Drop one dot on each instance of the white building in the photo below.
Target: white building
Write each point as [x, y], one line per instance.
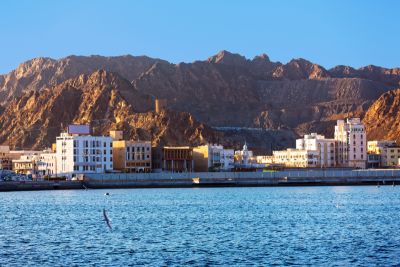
[351, 142]
[297, 158]
[80, 153]
[47, 164]
[244, 156]
[213, 156]
[326, 148]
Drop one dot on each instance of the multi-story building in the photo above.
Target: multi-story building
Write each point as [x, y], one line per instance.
[47, 163]
[373, 160]
[80, 153]
[26, 164]
[172, 159]
[388, 151]
[351, 143]
[268, 159]
[326, 148]
[297, 158]
[377, 146]
[132, 156]
[5, 158]
[213, 157]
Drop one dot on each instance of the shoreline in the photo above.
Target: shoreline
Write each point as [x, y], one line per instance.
[198, 180]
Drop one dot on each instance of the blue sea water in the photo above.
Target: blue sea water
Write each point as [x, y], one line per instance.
[319, 226]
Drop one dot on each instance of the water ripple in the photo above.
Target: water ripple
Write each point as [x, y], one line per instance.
[323, 226]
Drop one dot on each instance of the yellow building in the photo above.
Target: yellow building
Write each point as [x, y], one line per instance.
[132, 156]
[388, 150]
[213, 158]
[265, 159]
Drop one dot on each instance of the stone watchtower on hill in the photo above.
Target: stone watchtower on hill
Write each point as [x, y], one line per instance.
[160, 105]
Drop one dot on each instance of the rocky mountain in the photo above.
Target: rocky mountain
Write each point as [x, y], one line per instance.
[383, 117]
[229, 90]
[41, 73]
[102, 99]
[225, 90]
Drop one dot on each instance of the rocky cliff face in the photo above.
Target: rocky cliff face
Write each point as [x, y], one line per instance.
[40, 73]
[383, 118]
[105, 101]
[225, 90]
[229, 90]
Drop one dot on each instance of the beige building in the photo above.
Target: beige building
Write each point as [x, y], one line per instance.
[326, 148]
[351, 142]
[5, 158]
[213, 157]
[297, 158]
[132, 156]
[26, 164]
[265, 159]
[389, 152]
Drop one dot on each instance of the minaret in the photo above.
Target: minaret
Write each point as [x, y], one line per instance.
[245, 154]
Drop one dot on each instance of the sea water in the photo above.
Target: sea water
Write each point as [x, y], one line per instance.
[324, 226]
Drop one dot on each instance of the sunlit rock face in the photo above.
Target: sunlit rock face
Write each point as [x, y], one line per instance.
[226, 90]
[383, 117]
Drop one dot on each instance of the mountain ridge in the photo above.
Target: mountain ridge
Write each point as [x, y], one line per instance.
[224, 90]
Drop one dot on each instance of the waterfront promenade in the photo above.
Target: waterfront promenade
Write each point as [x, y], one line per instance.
[216, 179]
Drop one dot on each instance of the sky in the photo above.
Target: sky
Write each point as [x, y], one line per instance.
[329, 33]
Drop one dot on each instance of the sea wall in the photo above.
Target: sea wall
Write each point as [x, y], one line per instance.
[198, 179]
[39, 185]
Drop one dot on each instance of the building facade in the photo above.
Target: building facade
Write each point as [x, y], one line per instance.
[26, 164]
[80, 154]
[5, 158]
[296, 158]
[351, 143]
[326, 148]
[265, 159]
[173, 159]
[213, 158]
[132, 156]
[47, 164]
[244, 157]
[388, 151]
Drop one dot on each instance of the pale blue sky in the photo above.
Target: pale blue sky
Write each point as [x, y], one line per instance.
[329, 33]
